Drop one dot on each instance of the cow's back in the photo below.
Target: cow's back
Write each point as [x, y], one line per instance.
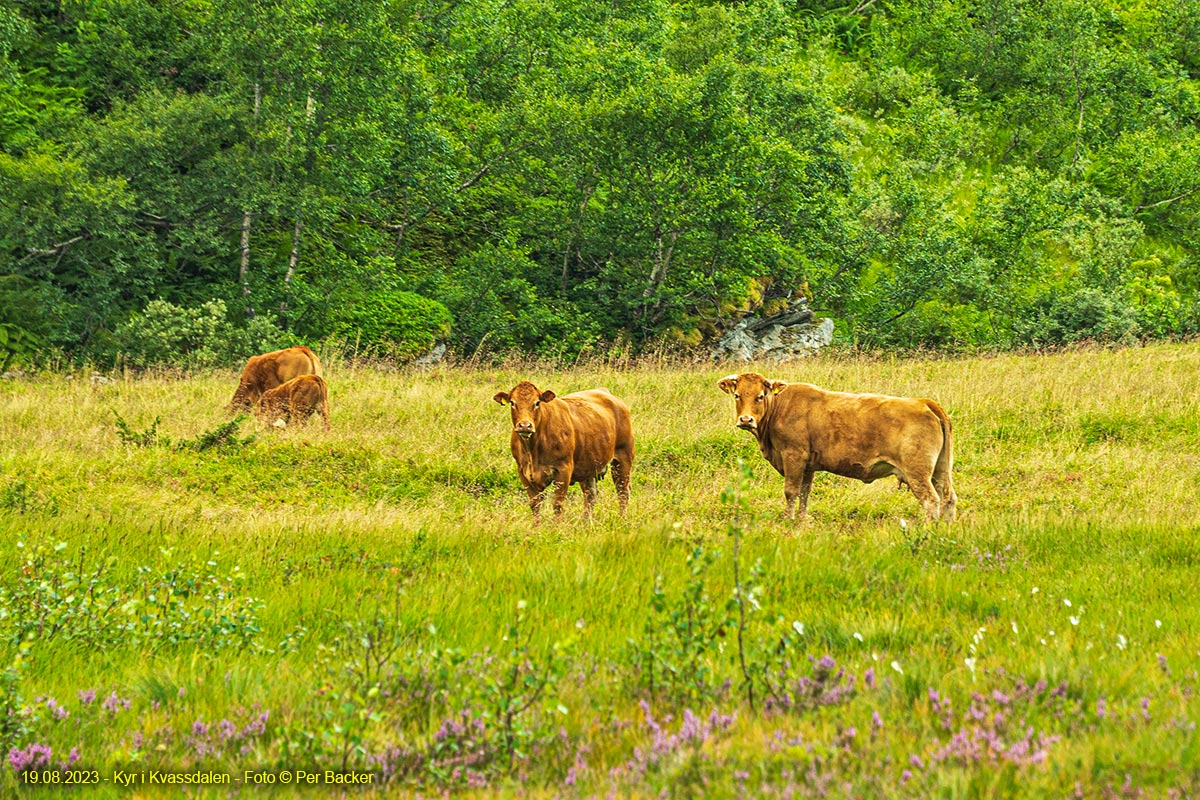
[846, 432]
[602, 424]
[275, 369]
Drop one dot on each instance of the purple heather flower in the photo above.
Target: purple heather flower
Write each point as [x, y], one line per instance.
[1101, 707]
[54, 708]
[72, 757]
[869, 678]
[876, 721]
[257, 726]
[87, 696]
[34, 756]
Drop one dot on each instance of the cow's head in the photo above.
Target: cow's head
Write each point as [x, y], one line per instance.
[751, 391]
[526, 401]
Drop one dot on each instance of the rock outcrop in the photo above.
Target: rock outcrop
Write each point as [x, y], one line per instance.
[793, 333]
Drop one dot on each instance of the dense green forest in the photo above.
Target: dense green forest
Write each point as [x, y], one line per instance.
[201, 178]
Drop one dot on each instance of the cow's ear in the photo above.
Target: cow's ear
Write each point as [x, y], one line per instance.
[776, 386]
[728, 384]
[502, 398]
[547, 396]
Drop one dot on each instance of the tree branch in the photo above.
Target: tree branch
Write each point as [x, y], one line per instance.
[1169, 200]
[56, 249]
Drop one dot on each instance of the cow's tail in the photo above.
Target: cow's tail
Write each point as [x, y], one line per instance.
[942, 469]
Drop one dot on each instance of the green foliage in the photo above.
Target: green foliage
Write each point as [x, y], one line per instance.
[57, 599]
[21, 497]
[165, 334]
[146, 438]
[1088, 314]
[497, 707]
[17, 345]
[15, 725]
[510, 176]
[497, 306]
[223, 436]
[395, 323]
[683, 636]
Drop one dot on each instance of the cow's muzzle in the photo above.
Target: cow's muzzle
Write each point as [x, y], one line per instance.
[747, 423]
[524, 429]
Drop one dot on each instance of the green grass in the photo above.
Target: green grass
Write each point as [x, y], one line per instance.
[1077, 475]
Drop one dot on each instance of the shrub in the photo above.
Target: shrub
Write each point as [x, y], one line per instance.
[164, 334]
[396, 323]
[1088, 314]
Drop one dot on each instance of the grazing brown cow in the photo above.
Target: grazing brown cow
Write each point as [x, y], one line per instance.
[802, 430]
[569, 439]
[270, 370]
[296, 400]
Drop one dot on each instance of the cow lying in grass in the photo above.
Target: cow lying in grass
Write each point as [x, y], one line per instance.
[802, 430]
[269, 370]
[295, 401]
[569, 439]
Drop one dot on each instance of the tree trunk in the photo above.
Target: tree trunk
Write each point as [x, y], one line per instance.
[294, 257]
[244, 271]
[662, 260]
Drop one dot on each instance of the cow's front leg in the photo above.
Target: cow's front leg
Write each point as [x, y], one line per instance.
[535, 493]
[560, 495]
[797, 483]
[589, 496]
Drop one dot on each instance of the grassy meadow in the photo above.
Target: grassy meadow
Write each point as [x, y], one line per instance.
[376, 599]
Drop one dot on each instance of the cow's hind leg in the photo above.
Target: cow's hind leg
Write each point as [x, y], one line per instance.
[622, 466]
[922, 487]
[941, 482]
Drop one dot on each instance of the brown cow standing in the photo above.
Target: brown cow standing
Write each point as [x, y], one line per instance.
[270, 370]
[296, 400]
[802, 430]
[569, 439]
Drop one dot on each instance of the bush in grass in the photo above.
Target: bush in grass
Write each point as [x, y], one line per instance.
[1087, 314]
[394, 323]
[57, 599]
[167, 335]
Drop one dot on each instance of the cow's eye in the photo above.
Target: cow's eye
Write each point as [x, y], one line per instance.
[537, 403]
[737, 396]
[761, 396]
